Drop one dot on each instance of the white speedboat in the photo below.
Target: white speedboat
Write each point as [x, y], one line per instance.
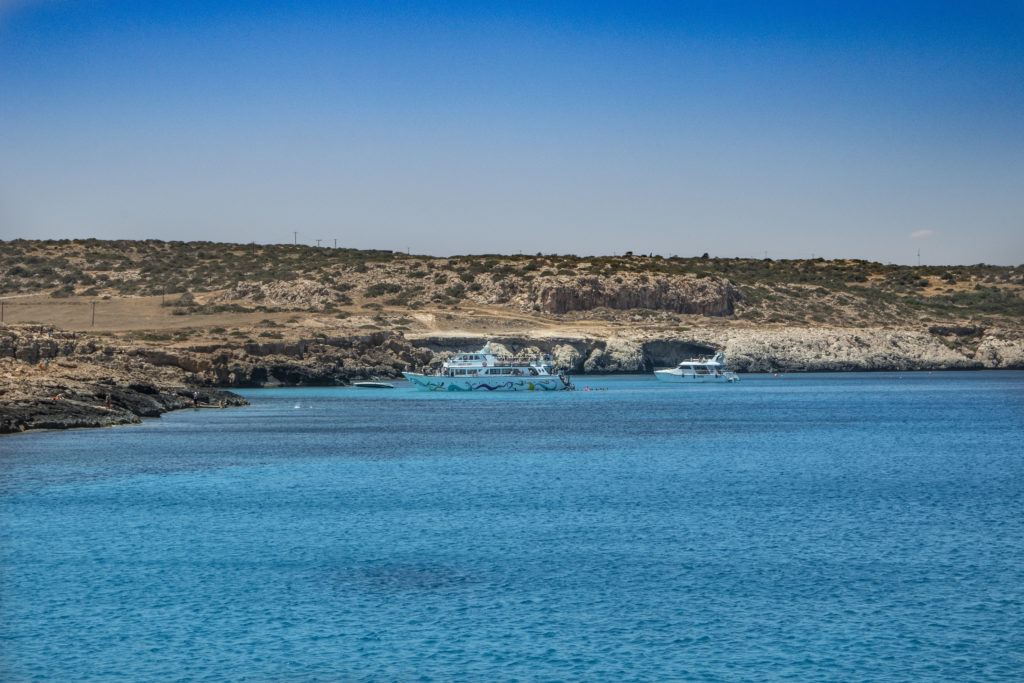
[486, 371]
[701, 369]
[375, 384]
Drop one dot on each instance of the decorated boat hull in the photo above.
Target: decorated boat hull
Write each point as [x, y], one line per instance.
[440, 383]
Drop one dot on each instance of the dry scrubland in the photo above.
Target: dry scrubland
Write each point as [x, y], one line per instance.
[177, 291]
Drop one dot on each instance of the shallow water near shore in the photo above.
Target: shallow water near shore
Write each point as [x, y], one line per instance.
[822, 526]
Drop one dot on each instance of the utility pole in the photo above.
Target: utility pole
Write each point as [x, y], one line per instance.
[296, 234]
[335, 242]
[318, 243]
[93, 314]
[918, 258]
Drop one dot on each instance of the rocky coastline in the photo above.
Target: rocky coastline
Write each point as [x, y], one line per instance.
[51, 379]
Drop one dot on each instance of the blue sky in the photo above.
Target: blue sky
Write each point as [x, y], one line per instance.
[792, 129]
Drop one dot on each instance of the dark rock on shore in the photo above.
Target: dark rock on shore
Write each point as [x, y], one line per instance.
[79, 405]
[53, 380]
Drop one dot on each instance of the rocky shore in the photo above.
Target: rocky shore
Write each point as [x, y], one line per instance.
[53, 380]
[48, 381]
[770, 350]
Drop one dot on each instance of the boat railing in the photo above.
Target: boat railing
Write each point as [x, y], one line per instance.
[520, 362]
[501, 362]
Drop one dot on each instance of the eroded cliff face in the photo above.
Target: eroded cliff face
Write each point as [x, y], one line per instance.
[339, 360]
[763, 350]
[316, 361]
[320, 361]
[677, 293]
[838, 349]
[51, 379]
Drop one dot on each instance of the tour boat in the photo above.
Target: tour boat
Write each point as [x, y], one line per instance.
[701, 369]
[486, 371]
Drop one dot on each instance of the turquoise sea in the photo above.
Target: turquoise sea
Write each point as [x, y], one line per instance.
[803, 527]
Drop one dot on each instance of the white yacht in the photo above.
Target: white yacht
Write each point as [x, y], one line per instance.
[701, 369]
[486, 371]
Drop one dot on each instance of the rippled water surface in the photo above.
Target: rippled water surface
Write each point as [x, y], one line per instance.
[816, 527]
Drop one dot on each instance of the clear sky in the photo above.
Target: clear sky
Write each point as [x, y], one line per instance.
[828, 128]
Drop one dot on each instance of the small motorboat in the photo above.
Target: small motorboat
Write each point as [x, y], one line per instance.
[702, 369]
[375, 384]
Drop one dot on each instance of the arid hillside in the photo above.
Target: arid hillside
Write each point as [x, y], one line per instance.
[178, 290]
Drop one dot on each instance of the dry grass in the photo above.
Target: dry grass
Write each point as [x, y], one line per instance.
[125, 316]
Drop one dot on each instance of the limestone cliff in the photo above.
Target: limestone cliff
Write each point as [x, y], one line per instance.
[767, 350]
[675, 293]
[837, 349]
[618, 355]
